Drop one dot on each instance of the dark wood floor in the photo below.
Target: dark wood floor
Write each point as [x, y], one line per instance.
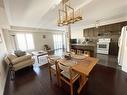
[108, 60]
[102, 81]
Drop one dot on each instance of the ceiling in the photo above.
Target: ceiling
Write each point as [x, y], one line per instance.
[44, 13]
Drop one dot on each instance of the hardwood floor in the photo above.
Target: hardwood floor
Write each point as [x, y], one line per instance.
[108, 60]
[102, 81]
[105, 79]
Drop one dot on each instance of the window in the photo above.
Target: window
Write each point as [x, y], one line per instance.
[58, 41]
[25, 41]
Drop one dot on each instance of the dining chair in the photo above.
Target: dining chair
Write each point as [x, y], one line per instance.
[52, 66]
[73, 50]
[73, 53]
[87, 53]
[67, 75]
[79, 52]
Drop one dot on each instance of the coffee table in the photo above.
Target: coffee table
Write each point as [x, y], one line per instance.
[39, 53]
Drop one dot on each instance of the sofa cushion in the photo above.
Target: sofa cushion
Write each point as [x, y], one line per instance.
[21, 59]
[6, 59]
[23, 64]
[11, 56]
[20, 53]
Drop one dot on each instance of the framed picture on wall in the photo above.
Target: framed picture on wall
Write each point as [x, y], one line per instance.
[44, 36]
[0, 38]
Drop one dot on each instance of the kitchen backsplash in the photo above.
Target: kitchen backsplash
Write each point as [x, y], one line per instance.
[86, 40]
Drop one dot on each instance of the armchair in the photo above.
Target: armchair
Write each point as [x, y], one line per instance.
[16, 63]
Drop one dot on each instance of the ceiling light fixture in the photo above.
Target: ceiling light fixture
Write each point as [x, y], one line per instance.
[57, 2]
[67, 14]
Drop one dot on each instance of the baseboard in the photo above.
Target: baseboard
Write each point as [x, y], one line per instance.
[7, 81]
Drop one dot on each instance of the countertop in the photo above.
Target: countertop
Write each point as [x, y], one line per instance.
[89, 44]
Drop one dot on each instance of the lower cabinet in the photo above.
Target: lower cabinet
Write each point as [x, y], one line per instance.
[91, 49]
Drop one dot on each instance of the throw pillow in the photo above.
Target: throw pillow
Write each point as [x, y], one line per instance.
[20, 53]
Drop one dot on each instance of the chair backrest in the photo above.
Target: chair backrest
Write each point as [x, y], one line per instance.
[51, 61]
[79, 52]
[66, 69]
[73, 53]
[72, 50]
[87, 53]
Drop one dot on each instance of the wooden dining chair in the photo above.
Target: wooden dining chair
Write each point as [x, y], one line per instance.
[73, 50]
[52, 66]
[79, 52]
[67, 75]
[87, 53]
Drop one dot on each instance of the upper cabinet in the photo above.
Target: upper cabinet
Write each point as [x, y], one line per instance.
[110, 30]
[90, 32]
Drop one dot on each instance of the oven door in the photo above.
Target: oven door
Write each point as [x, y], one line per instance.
[103, 46]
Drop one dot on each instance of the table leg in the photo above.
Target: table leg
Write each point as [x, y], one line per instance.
[82, 81]
[38, 59]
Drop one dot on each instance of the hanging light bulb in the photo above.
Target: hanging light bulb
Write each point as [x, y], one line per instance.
[57, 2]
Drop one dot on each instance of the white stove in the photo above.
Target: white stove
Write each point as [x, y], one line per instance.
[103, 45]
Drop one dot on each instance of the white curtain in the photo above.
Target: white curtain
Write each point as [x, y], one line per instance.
[58, 41]
[25, 41]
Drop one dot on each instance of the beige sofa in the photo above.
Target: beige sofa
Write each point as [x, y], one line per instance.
[16, 63]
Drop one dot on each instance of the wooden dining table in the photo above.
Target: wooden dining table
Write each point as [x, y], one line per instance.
[82, 66]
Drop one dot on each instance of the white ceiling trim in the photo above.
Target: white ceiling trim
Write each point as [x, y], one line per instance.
[43, 13]
[122, 19]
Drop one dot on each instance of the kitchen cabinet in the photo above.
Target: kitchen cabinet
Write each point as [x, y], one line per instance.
[86, 33]
[108, 28]
[112, 31]
[105, 30]
[95, 32]
[90, 32]
[102, 29]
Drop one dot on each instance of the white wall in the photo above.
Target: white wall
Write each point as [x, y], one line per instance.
[39, 41]
[77, 34]
[8, 40]
[3, 71]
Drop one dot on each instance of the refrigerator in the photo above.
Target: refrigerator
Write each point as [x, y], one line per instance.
[122, 55]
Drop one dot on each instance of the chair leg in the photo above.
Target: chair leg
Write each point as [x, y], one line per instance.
[60, 84]
[50, 73]
[58, 79]
[71, 88]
